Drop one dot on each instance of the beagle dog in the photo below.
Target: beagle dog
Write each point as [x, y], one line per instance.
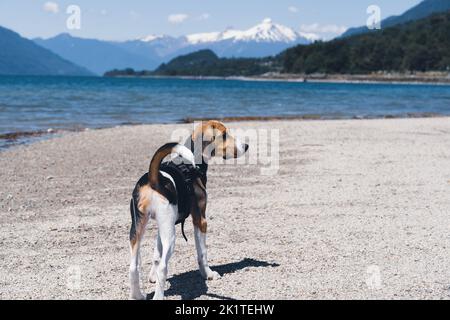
[155, 198]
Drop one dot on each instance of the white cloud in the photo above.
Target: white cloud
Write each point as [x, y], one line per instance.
[103, 12]
[293, 9]
[204, 16]
[51, 7]
[177, 18]
[328, 28]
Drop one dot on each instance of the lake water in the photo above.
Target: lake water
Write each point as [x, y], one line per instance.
[39, 103]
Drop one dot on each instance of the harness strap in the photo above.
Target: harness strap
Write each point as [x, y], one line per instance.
[184, 176]
[182, 230]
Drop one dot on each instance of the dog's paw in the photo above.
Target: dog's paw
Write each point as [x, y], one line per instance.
[158, 297]
[214, 276]
[211, 275]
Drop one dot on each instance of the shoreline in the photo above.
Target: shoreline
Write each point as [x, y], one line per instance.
[12, 139]
[317, 117]
[420, 78]
[438, 78]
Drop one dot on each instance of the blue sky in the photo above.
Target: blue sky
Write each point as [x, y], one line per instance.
[120, 20]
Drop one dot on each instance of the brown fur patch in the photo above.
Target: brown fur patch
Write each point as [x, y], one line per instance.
[145, 195]
[213, 131]
[210, 125]
[230, 148]
[144, 199]
[140, 228]
[134, 247]
[202, 224]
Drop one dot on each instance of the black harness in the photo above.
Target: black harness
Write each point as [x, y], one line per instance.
[184, 176]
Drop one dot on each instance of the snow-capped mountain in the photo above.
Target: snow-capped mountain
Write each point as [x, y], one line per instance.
[266, 31]
[151, 37]
[264, 39]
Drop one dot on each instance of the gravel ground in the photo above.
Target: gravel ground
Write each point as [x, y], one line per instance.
[359, 209]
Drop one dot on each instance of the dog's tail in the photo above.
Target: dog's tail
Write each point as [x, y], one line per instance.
[159, 156]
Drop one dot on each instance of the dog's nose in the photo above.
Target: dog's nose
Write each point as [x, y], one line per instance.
[246, 147]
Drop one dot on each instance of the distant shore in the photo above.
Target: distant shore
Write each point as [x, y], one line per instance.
[380, 77]
[434, 78]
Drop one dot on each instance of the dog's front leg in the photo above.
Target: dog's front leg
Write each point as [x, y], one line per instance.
[200, 243]
[200, 228]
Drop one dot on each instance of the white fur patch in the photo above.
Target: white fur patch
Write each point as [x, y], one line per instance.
[185, 153]
[168, 176]
[239, 146]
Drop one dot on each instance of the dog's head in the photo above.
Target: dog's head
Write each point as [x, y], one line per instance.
[214, 140]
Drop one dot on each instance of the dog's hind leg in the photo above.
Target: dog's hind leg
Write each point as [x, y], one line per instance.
[156, 258]
[166, 218]
[139, 223]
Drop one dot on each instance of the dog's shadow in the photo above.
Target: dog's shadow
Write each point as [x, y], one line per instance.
[190, 285]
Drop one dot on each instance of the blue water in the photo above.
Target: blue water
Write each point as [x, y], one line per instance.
[39, 103]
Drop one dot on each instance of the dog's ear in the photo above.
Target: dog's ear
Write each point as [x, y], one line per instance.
[207, 131]
[204, 136]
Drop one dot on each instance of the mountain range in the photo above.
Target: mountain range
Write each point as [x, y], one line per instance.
[96, 55]
[20, 56]
[68, 55]
[422, 45]
[264, 39]
[206, 63]
[422, 10]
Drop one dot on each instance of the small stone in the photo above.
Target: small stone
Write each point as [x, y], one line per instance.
[50, 178]
[50, 130]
